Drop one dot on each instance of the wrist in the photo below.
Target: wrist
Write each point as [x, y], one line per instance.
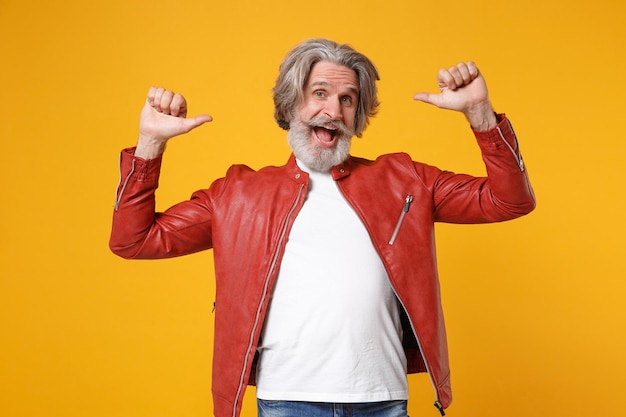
[481, 116]
[149, 148]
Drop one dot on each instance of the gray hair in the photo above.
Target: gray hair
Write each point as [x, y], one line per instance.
[295, 69]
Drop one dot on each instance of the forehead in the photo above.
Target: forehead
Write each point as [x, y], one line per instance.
[336, 75]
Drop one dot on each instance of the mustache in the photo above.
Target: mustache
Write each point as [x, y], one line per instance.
[326, 122]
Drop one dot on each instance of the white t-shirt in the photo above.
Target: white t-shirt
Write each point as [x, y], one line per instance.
[332, 332]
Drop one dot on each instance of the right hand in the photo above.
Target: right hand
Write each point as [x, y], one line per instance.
[164, 116]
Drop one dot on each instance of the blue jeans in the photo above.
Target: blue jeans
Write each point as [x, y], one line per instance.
[271, 408]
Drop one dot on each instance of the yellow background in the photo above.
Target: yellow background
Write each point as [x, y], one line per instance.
[535, 307]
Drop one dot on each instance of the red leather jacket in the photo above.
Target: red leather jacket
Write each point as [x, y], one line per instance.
[247, 215]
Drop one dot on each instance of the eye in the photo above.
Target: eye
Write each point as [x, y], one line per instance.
[347, 100]
[319, 93]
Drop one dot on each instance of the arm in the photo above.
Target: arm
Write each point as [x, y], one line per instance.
[506, 192]
[137, 231]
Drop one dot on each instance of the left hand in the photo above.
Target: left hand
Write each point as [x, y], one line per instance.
[463, 88]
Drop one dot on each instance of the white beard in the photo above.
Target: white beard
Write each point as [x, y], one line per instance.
[314, 157]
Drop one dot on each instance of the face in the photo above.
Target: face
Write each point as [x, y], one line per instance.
[323, 126]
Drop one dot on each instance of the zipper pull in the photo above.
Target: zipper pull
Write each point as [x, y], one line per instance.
[440, 408]
[405, 209]
[407, 203]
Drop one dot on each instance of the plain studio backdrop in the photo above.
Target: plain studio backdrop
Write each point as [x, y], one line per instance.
[534, 307]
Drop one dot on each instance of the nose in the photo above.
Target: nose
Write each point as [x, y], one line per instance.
[332, 108]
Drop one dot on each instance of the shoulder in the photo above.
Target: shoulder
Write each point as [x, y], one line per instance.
[245, 172]
[397, 167]
[392, 161]
[242, 180]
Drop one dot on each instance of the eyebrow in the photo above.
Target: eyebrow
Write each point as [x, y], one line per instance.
[327, 84]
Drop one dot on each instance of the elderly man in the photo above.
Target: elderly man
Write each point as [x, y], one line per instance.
[327, 292]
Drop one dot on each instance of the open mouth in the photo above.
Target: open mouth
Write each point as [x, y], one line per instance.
[325, 136]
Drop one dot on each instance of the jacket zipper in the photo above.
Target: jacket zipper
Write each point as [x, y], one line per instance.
[419, 344]
[405, 209]
[263, 297]
[118, 197]
[514, 150]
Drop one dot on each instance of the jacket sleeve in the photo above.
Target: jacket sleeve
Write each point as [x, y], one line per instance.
[138, 232]
[504, 194]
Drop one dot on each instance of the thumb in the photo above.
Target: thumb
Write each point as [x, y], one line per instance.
[426, 98]
[193, 122]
